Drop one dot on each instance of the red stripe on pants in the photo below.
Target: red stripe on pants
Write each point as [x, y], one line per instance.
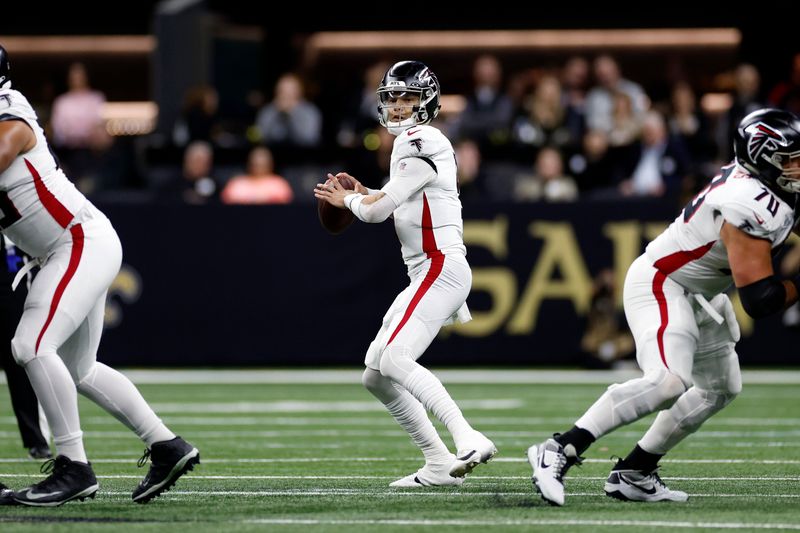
[74, 261]
[658, 291]
[666, 266]
[437, 262]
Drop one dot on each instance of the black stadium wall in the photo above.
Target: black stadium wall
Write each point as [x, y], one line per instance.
[266, 285]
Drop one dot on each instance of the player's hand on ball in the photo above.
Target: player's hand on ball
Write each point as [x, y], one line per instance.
[330, 196]
[334, 190]
[349, 182]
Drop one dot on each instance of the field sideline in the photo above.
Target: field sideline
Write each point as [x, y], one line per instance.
[286, 450]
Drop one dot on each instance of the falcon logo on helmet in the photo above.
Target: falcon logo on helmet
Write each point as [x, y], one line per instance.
[408, 79]
[767, 144]
[762, 138]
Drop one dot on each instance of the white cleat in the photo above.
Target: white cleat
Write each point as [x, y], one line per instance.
[639, 486]
[429, 476]
[477, 450]
[550, 462]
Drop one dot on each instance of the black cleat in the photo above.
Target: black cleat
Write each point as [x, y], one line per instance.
[68, 480]
[40, 452]
[6, 496]
[170, 460]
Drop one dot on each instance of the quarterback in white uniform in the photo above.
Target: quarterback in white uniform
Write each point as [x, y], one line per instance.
[682, 320]
[422, 197]
[56, 341]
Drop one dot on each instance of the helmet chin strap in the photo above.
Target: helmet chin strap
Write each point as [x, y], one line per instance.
[396, 128]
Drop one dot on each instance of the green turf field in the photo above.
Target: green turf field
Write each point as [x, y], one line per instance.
[319, 457]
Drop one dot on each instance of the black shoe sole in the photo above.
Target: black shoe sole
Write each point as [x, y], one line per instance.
[176, 473]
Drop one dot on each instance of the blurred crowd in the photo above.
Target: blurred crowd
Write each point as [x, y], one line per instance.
[585, 130]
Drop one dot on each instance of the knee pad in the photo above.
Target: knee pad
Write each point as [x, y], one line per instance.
[372, 379]
[697, 406]
[670, 386]
[654, 391]
[383, 388]
[85, 379]
[397, 362]
[23, 350]
[716, 400]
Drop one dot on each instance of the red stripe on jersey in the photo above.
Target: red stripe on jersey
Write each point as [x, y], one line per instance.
[437, 262]
[672, 262]
[428, 238]
[667, 265]
[74, 261]
[56, 209]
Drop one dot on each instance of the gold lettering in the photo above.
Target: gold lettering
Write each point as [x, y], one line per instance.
[126, 288]
[654, 229]
[490, 234]
[501, 285]
[745, 321]
[498, 282]
[560, 251]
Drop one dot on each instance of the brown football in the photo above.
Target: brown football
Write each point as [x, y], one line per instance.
[333, 219]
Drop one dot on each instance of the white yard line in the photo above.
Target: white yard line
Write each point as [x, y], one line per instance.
[454, 376]
[221, 460]
[381, 419]
[297, 406]
[437, 493]
[530, 522]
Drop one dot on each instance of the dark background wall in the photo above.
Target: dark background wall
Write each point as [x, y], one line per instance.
[266, 285]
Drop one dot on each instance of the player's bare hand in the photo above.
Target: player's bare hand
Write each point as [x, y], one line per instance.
[359, 188]
[332, 192]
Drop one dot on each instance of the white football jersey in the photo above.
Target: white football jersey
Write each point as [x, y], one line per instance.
[429, 221]
[36, 199]
[691, 252]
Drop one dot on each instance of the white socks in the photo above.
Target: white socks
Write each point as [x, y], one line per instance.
[397, 363]
[116, 394]
[429, 390]
[412, 417]
[56, 392]
[410, 414]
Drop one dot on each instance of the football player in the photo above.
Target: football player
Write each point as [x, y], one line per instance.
[681, 318]
[422, 196]
[33, 428]
[56, 341]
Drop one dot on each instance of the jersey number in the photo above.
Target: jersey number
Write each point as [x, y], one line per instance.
[694, 205]
[772, 202]
[9, 211]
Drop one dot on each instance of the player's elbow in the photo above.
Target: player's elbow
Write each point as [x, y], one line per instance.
[763, 298]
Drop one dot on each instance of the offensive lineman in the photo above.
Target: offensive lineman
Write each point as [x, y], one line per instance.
[683, 322]
[422, 196]
[58, 335]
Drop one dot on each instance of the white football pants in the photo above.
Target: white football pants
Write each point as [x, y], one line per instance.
[689, 361]
[59, 333]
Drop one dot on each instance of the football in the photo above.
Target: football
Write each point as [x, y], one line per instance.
[333, 219]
